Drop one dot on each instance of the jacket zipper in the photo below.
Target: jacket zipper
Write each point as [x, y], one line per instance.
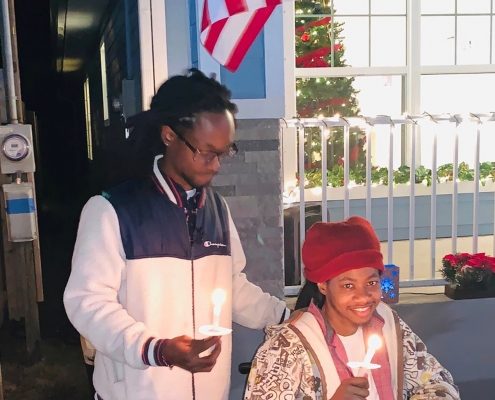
[191, 243]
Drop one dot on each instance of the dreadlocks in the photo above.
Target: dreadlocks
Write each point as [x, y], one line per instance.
[177, 104]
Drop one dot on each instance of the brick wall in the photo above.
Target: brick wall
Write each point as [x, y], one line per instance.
[251, 184]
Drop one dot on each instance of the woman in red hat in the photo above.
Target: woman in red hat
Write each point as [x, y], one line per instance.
[307, 358]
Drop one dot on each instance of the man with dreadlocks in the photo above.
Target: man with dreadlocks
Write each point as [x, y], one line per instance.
[150, 252]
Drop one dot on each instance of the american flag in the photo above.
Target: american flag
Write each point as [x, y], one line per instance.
[229, 27]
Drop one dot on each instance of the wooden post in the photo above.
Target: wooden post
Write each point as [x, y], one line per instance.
[15, 298]
[32, 120]
[31, 316]
[21, 287]
[21, 268]
[1, 383]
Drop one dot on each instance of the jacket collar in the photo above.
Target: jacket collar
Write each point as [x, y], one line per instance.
[175, 193]
[375, 324]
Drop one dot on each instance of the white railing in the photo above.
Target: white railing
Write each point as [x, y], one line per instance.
[301, 195]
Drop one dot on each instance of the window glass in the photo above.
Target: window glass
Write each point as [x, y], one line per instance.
[349, 97]
[350, 7]
[326, 97]
[87, 114]
[473, 7]
[355, 38]
[437, 40]
[104, 87]
[473, 40]
[388, 41]
[460, 93]
[316, 41]
[437, 6]
[388, 6]
[492, 61]
[390, 92]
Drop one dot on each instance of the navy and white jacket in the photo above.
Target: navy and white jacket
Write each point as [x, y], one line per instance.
[137, 275]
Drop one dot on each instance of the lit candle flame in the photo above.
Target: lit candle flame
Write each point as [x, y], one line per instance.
[374, 343]
[217, 298]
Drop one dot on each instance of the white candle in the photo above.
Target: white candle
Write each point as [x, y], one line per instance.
[374, 343]
[218, 298]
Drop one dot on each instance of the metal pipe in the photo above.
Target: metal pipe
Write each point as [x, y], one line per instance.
[9, 63]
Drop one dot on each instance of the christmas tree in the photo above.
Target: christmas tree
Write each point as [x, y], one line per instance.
[319, 45]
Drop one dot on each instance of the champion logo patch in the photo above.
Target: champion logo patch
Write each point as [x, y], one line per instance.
[211, 244]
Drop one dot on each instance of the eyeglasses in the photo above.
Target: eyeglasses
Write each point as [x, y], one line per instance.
[208, 156]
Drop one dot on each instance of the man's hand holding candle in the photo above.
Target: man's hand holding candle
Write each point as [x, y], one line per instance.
[183, 352]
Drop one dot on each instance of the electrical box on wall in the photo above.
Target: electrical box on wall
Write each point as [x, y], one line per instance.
[16, 149]
[20, 211]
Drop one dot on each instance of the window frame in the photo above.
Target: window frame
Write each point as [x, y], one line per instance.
[104, 84]
[87, 114]
[412, 71]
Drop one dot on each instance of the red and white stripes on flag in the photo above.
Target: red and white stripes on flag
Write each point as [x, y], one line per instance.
[229, 27]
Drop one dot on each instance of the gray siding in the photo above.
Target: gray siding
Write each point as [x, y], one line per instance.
[251, 183]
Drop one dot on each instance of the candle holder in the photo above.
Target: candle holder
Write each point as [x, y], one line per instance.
[212, 330]
[217, 298]
[360, 365]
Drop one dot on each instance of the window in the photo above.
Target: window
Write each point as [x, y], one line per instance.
[104, 87]
[389, 57]
[87, 113]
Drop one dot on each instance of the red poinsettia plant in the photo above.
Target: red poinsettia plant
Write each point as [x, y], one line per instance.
[469, 270]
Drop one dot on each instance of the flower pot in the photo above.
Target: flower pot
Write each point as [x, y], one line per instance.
[459, 292]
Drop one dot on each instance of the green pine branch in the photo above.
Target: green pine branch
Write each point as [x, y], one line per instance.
[379, 175]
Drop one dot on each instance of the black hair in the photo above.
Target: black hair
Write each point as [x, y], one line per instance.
[177, 103]
[309, 292]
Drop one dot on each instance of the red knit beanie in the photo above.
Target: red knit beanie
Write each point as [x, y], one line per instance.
[331, 248]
